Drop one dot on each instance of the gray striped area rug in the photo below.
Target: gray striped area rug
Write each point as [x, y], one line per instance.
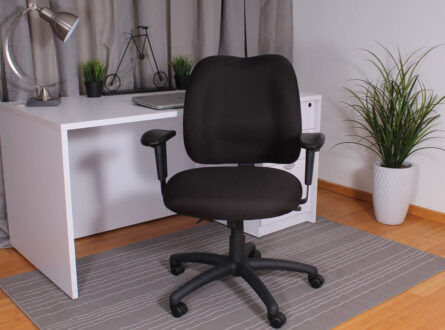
[128, 287]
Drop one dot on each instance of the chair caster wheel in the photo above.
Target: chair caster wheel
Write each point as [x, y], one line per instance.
[179, 309]
[255, 254]
[177, 268]
[316, 281]
[277, 321]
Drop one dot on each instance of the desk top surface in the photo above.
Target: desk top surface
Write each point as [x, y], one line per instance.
[75, 112]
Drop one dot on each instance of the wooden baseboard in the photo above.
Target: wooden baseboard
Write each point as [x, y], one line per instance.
[367, 197]
[345, 191]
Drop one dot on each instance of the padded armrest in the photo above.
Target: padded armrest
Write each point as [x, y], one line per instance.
[155, 137]
[312, 141]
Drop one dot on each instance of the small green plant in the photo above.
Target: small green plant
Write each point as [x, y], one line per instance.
[93, 70]
[396, 113]
[182, 65]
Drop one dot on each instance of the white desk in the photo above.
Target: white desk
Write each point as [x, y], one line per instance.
[79, 169]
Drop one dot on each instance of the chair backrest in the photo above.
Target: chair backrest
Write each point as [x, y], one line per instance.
[242, 110]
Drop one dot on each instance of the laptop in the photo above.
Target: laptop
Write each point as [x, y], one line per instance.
[161, 101]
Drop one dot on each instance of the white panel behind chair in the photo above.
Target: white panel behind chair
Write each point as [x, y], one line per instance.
[310, 117]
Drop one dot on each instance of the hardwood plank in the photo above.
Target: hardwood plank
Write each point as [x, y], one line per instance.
[11, 317]
[12, 263]
[132, 234]
[426, 213]
[344, 190]
[420, 307]
[367, 197]
[408, 310]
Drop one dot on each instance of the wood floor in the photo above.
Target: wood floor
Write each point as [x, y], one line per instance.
[421, 307]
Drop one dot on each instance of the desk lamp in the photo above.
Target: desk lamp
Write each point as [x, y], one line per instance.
[63, 25]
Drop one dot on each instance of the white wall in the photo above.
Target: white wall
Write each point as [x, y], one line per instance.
[327, 34]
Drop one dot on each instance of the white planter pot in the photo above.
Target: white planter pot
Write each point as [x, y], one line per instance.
[392, 193]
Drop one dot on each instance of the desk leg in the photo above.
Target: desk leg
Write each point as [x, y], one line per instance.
[38, 197]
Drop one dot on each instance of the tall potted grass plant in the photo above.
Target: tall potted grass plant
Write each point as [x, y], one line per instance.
[396, 114]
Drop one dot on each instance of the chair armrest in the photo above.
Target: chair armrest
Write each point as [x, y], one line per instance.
[312, 142]
[157, 138]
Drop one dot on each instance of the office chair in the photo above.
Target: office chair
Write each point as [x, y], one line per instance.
[242, 111]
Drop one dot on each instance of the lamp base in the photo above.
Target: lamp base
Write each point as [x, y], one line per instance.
[37, 102]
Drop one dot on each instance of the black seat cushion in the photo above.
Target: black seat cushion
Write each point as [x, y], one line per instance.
[233, 193]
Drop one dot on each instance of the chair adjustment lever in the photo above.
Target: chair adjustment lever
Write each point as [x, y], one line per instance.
[304, 200]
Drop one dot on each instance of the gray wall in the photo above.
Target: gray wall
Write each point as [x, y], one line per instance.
[327, 34]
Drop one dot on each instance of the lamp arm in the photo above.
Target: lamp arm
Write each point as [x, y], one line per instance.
[6, 50]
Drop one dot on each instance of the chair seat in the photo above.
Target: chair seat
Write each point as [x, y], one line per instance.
[233, 193]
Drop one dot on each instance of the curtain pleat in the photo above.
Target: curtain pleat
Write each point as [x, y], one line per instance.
[275, 28]
[195, 28]
[253, 10]
[232, 28]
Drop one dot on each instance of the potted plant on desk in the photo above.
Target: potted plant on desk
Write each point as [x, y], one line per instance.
[182, 66]
[93, 72]
[397, 115]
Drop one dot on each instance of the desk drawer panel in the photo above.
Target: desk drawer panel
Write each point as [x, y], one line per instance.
[308, 115]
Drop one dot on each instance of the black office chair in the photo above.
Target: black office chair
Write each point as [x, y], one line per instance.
[240, 111]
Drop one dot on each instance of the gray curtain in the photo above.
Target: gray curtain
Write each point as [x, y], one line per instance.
[196, 28]
[202, 28]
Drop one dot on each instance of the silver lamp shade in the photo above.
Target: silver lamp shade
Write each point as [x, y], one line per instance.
[63, 24]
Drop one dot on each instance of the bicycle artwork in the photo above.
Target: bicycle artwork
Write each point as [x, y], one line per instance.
[112, 81]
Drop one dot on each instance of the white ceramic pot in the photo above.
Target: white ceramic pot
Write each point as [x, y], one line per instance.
[392, 193]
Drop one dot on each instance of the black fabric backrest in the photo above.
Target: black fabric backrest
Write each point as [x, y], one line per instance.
[242, 110]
